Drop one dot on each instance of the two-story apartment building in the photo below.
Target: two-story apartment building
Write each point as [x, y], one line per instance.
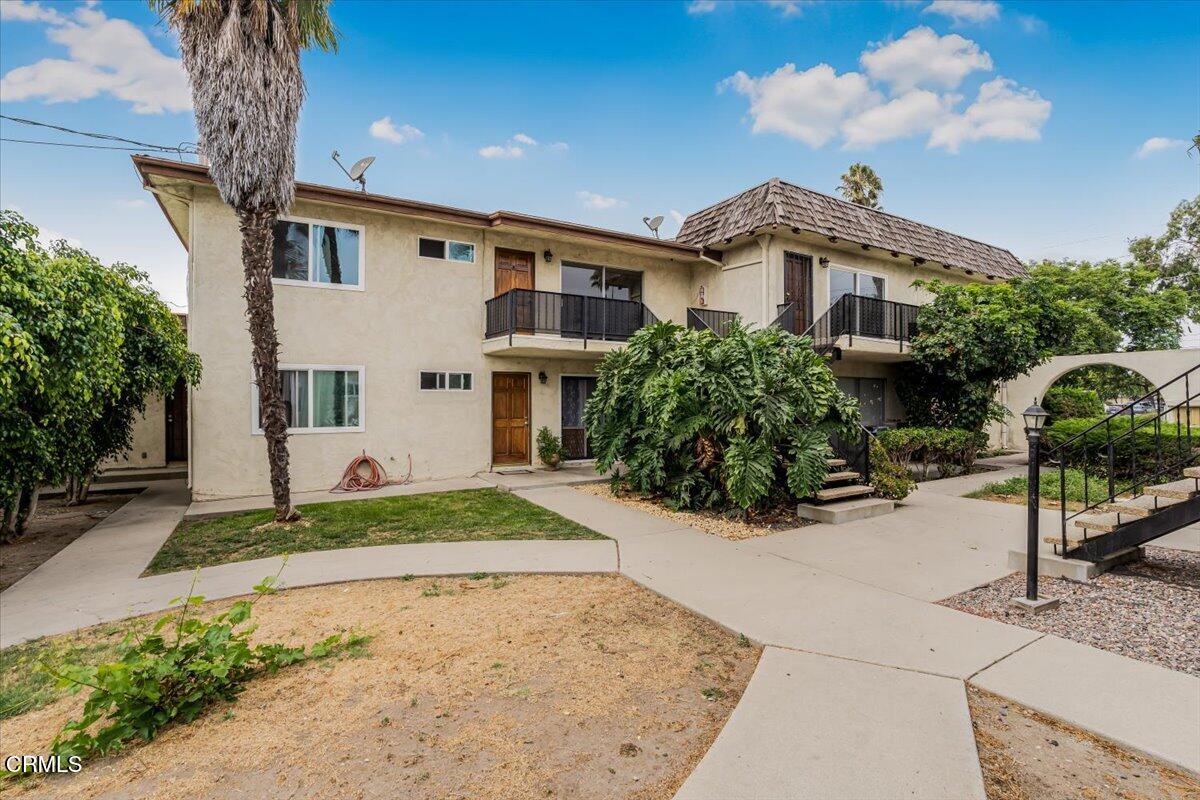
[410, 329]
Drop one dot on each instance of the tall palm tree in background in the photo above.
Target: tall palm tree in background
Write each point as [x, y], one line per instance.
[243, 63]
[861, 185]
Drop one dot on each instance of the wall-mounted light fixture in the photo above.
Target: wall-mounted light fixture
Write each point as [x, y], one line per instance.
[824, 262]
[548, 256]
[542, 375]
[703, 295]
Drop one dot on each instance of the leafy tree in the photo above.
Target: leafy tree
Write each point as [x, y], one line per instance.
[1108, 381]
[1175, 255]
[861, 185]
[1069, 402]
[81, 346]
[971, 339]
[243, 64]
[707, 421]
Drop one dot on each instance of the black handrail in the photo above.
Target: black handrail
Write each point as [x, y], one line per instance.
[869, 317]
[572, 316]
[856, 452]
[707, 319]
[786, 317]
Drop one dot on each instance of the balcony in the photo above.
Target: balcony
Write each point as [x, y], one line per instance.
[865, 325]
[707, 319]
[527, 322]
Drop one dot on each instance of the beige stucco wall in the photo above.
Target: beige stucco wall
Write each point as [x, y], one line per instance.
[149, 448]
[413, 314]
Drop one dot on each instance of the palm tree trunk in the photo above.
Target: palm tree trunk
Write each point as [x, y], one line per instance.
[256, 227]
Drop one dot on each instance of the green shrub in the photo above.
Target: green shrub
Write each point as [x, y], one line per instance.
[890, 479]
[1068, 402]
[952, 449]
[184, 665]
[1133, 454]
[705, 421]
[549, 448]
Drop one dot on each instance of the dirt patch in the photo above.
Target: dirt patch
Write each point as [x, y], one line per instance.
[53, 527]
[713, 522]
[1145, 610]
[535, 686]
[1028, 756]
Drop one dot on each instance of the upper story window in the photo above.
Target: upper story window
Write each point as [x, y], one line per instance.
[318, 399]
[864, 284]
[446, 381]
[615, 284]
[317, 253]
[446, 250]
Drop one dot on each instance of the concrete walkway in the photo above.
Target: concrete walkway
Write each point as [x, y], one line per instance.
[860, 692]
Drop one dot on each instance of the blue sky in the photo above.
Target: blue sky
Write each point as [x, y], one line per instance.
[1022, 124]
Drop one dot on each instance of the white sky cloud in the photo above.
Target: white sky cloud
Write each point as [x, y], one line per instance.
[678, 216]
[526, 139]
[106, 56]
[501, 151]
[922, 58]
[789, 8]
[598, 202]
[1156, 144]
[965, 11]
[136, 202]
[808, 106]
[702, 7]
[916, 112]
[383, 128]
[561, 147]
[517, 146]
[1003, 110]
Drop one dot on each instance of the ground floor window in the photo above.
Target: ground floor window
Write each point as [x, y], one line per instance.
[317, 399]
[576, 390]
[869, 392]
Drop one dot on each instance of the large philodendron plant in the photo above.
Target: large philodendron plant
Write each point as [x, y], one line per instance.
[243, 63]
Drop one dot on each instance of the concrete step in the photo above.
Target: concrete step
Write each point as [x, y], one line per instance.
[1106, 523]
[1176, 490]
[845, 475]
[844, 492]
[846, 510]
[1191, 472]
[836, 462]
[1139, 507]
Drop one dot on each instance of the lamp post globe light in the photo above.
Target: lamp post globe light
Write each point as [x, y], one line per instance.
[1035, 419]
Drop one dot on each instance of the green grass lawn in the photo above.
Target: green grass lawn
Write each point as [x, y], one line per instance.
[463, 516]
[1017, 489]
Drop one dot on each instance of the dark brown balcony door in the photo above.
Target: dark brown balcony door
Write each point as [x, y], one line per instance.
[510, 418]
[514, 270]
[798, 288]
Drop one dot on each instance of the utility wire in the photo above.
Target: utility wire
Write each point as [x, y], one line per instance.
[181, 148]
[71, 144]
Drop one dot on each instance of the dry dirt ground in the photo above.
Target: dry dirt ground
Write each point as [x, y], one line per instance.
[1026, 756]
[54, 526]
[491, 687]
[707, 521]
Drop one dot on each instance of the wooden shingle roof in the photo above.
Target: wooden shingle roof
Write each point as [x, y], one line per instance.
[778, 203]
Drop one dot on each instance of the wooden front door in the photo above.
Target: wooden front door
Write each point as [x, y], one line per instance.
[798, 288]
[514, 270]
[510, 418]
[176, 433]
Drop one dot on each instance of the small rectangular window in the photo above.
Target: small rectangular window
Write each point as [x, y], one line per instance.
[446, 381]
[445, 250]
[308, 252]
[432, 248]
[461, 251]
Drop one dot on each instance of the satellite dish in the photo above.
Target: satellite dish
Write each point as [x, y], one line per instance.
[653, 223]
[356, 172]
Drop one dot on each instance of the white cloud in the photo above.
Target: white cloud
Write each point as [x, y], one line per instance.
[922, 58]
[383, 128]
[106, 56]
[501, 151]
[561, 147]
[136, 202]
[677, 216]
[1003, 110]
[526, 139]
[598, 202]
[1031, 24]
[21, 11]
[789, 8]
[965, 11]
[702, 7]
[1156, 144]
[916, 112]
[808, 106]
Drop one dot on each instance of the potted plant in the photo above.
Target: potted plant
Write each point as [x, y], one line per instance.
[549, 448]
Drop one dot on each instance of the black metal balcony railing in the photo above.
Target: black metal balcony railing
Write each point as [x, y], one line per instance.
[572, 316]
[854, 315]
[707, 319]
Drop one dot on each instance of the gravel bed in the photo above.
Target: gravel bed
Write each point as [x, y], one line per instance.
[1149, 610]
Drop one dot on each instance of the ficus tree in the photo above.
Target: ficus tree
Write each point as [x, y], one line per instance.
[706, 421]
[82, 346]
[243, 63]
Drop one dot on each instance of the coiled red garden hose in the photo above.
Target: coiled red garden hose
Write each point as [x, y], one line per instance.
[353, 479]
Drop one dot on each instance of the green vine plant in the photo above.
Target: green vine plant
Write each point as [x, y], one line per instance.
[173, 674]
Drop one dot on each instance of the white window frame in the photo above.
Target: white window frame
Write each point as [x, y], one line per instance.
[446, 254]
[315, 284]
[447, 373]
[857, 272]
[256, 429]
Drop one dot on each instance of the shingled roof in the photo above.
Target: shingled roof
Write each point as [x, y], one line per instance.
[777, 202]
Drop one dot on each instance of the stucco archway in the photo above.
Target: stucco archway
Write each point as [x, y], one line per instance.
[1156, 366]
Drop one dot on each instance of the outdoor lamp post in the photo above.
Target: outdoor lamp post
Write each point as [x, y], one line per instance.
[1035, 418]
